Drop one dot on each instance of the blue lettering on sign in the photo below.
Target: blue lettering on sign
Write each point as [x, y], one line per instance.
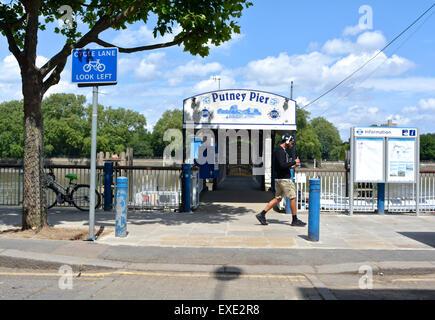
[405, 132]
[412, 133]
[228, 96]
[235, 113]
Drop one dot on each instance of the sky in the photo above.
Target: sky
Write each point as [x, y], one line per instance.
[314, 43]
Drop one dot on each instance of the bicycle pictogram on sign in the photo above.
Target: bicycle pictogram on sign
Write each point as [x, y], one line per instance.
[96, 65]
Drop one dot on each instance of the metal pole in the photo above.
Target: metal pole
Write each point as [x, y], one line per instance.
[314, 210]
[417, 169]
[93, 162]
[381, 198]
[108, 181]
[187, 186]
[352, 168]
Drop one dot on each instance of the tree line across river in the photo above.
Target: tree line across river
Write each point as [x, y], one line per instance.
[67, 131]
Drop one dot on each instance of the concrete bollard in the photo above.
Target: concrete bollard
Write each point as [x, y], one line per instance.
[314, 210]
[121, 207]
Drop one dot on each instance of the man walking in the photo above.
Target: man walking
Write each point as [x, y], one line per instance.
[284, 185]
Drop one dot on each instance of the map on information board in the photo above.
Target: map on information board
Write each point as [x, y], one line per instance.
[369, 160]
[401, 160]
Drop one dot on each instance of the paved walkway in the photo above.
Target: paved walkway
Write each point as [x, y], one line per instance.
[224, 231]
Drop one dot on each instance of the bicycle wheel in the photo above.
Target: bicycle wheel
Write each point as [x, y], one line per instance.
[80, 197]
[50, 196]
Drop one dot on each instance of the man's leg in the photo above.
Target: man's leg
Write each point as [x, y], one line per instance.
[262, 215]
[292, 194]
[295, 221]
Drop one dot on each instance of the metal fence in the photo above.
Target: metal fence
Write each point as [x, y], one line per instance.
[148, 187]
[151, 187]
[334, 192]
[160, 188]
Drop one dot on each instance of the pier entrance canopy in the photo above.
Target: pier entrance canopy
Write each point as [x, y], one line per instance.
[233, 129]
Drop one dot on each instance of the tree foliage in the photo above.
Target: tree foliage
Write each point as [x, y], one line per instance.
[11, 129]
[427, 146]
[171, 119]
[329, 138]
[67, 129]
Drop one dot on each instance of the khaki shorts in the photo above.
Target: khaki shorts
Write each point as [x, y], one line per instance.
[285, 188]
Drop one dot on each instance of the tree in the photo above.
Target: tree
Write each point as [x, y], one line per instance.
[329, 138]
[427, 146]
[202, 22]
[171, 119]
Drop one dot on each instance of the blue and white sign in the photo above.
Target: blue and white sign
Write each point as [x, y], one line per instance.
[250, 109]
[95, 66]
[388, 132]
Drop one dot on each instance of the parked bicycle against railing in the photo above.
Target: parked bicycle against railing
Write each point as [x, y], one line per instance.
[75, 194]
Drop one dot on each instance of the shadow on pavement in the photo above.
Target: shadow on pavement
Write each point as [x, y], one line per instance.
[427, 238]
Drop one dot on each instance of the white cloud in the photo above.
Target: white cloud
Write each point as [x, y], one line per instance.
[427, 104]
[213, 83]
[352, 30]
[192, 69]
[406, 84]
[10, 71]
[145, 68]
[367, 42]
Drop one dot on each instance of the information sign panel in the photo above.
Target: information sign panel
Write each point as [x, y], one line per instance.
[401, 160]
[369, 160]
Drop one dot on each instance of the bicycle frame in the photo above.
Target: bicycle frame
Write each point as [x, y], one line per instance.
[65, 192]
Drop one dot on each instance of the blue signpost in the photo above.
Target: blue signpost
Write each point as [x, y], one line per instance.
[93, 68]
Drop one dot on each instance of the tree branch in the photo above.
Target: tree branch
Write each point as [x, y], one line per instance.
[11, 41]
[103, 24]
[31, 38]
[144, 48]
[54, 78]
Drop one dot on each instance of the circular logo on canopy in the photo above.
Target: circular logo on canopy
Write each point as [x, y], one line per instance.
[274, 114]
[205, 113]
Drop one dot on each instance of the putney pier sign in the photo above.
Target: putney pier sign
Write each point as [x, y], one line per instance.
[239, 109]
[254, 116]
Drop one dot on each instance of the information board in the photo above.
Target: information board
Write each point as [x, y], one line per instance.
[369, 160]
[401, 160]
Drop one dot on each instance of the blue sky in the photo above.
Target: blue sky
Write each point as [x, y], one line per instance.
[314, 43]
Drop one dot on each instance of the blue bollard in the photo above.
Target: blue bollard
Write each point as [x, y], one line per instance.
[121, 207]
[381, 198]
[187, 187]
[314, 210]
[108, 181]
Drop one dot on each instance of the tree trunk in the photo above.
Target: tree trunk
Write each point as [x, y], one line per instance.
[34, 203]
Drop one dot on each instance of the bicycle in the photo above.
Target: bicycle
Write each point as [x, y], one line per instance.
[75, 194]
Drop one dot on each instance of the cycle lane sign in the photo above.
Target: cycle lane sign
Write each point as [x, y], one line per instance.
[95, 66]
